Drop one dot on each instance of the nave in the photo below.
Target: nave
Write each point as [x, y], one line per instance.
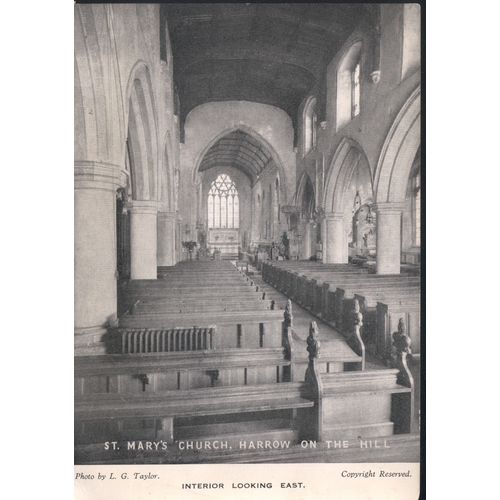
[253, 368]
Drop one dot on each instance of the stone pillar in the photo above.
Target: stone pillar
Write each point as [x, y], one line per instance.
[143, 239]
[166, 239]
[178, 238]
[388, 237]
[334, 241]
[306, 240]
[96, 184]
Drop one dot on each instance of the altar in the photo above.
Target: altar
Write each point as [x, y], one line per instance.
[226, 240]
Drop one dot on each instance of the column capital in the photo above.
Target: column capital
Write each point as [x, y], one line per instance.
[334, 216]
[101, 175]
[143, 207]
[389, 207]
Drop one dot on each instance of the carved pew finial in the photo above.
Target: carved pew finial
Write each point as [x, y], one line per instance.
[356, 341]
[314, 383]
[313, 343]
[402, 347]
[288, 314]
[287, 339]
[401, 327]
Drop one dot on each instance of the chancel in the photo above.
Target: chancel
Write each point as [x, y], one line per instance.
[247, 232]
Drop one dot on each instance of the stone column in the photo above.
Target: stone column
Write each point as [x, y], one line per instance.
[178, 237]
[306, 240]
[388, 237]
[143, 239]
[334, 253]
[166, 238]
[95, 252]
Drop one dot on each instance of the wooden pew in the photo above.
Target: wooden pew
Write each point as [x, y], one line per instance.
[235, 411]
[195, 306]
[381, 287]
[341, 358]
[159, 372]
[405, 300]
[325, 299]
[193, 292]
[365, 404]
[244, 329]
[282, 277]
[389, 313]
[332, 299]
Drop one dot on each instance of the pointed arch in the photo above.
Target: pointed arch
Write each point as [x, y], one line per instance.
[398, 152]
[166, 183]
[299, 194]
[90, 102]
[142, 134]
[346, 159]
[250, 131]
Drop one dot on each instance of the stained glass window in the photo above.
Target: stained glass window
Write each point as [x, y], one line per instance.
[223, 203]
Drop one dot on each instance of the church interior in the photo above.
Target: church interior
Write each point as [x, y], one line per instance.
[247, 185]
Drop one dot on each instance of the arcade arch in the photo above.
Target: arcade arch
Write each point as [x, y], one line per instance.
[349, 219]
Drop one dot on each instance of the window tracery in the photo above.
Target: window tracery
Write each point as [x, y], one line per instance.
[223, 203]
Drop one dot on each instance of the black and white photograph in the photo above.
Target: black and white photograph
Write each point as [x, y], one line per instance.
[249, 192]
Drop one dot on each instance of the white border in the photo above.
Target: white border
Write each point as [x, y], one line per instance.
[37, 243]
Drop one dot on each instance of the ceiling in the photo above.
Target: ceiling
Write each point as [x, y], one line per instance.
[268, 53]
[239, 150]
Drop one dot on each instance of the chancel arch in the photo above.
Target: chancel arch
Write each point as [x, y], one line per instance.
[247, 161]
[255, 149]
